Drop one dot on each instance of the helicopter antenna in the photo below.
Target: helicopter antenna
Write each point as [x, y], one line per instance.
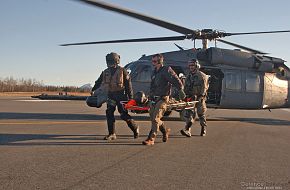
[179, 47]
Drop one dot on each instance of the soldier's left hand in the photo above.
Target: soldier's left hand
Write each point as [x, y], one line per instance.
[199, 98]
[182, 94]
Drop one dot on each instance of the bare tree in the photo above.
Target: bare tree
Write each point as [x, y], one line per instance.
[9, 84]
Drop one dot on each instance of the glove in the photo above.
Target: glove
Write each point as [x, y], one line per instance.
[151, 103]
[199, 98]
[188, 99]
[182, 94]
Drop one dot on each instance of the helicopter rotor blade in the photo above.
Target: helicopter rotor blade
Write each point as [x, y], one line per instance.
[263, 32]
[143, 17]
[157, 39]
[242, 47]
[179, 47]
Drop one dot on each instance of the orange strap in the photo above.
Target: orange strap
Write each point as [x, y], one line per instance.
[132, 105]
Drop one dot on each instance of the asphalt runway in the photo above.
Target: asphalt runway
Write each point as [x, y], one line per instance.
[58, 145]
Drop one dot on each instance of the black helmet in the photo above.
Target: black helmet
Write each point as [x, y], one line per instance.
[112, 59]
[140, 98]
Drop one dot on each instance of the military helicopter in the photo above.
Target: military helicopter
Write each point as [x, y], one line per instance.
[247, 79]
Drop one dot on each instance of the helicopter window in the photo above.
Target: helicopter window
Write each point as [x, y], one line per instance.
[252, 82]
[131, 69]
[233, 81]
[144, 74]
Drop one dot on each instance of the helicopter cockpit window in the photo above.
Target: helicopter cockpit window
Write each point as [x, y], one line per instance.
[144, 73]
[252, 82]
[130, 68]
[233, 81]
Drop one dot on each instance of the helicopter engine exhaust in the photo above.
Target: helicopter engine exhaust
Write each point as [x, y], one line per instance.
[239, 58]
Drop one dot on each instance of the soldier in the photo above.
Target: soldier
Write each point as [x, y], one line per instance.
[161, 81]
[118, 82]
[196, 85]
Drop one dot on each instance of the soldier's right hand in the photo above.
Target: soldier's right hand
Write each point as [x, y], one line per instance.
[150, 98]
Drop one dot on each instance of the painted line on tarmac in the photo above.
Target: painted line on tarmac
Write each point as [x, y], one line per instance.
[41, 100]
[55, 122]
[286, 110]
[51, 122]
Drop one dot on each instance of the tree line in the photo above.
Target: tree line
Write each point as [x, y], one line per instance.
[9, 84]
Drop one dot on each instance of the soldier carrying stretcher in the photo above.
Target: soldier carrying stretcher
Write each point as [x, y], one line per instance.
[196, 86]
[161, 81]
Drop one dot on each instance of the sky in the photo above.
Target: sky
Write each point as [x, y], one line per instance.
[31, 31]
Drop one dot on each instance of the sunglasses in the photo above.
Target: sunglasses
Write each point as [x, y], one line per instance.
[154, 61]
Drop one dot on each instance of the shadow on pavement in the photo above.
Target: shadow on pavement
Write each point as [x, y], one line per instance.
[59, 116]
[94, 117]
[260, 121]
[54, 139]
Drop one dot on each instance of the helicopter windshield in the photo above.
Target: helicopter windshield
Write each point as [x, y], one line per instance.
[140, 71]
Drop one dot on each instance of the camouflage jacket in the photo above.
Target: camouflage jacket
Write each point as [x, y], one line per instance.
[196, 84]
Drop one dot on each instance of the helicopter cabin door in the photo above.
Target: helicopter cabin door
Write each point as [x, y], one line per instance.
[242, 90]
[275, 91]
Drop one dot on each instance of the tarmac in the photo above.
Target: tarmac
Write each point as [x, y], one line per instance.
[59, 145]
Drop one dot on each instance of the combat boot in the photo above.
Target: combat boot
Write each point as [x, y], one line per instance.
[203, 125]
[136, 132]
[134, 127]
[187, 131]
[110, 137]
[203, 131]
[150, 139]
[165, 132]
[112, 132]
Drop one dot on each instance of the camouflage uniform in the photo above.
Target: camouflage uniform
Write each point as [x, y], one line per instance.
[196, 85]
[160, 89]
[119, 87]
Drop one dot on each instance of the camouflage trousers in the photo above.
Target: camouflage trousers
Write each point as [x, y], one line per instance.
[156, 113]
[190, 115]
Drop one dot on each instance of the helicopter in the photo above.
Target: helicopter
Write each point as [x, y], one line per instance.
[242, 78]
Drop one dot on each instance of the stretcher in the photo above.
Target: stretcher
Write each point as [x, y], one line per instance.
[173, 104]
[132, 106]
